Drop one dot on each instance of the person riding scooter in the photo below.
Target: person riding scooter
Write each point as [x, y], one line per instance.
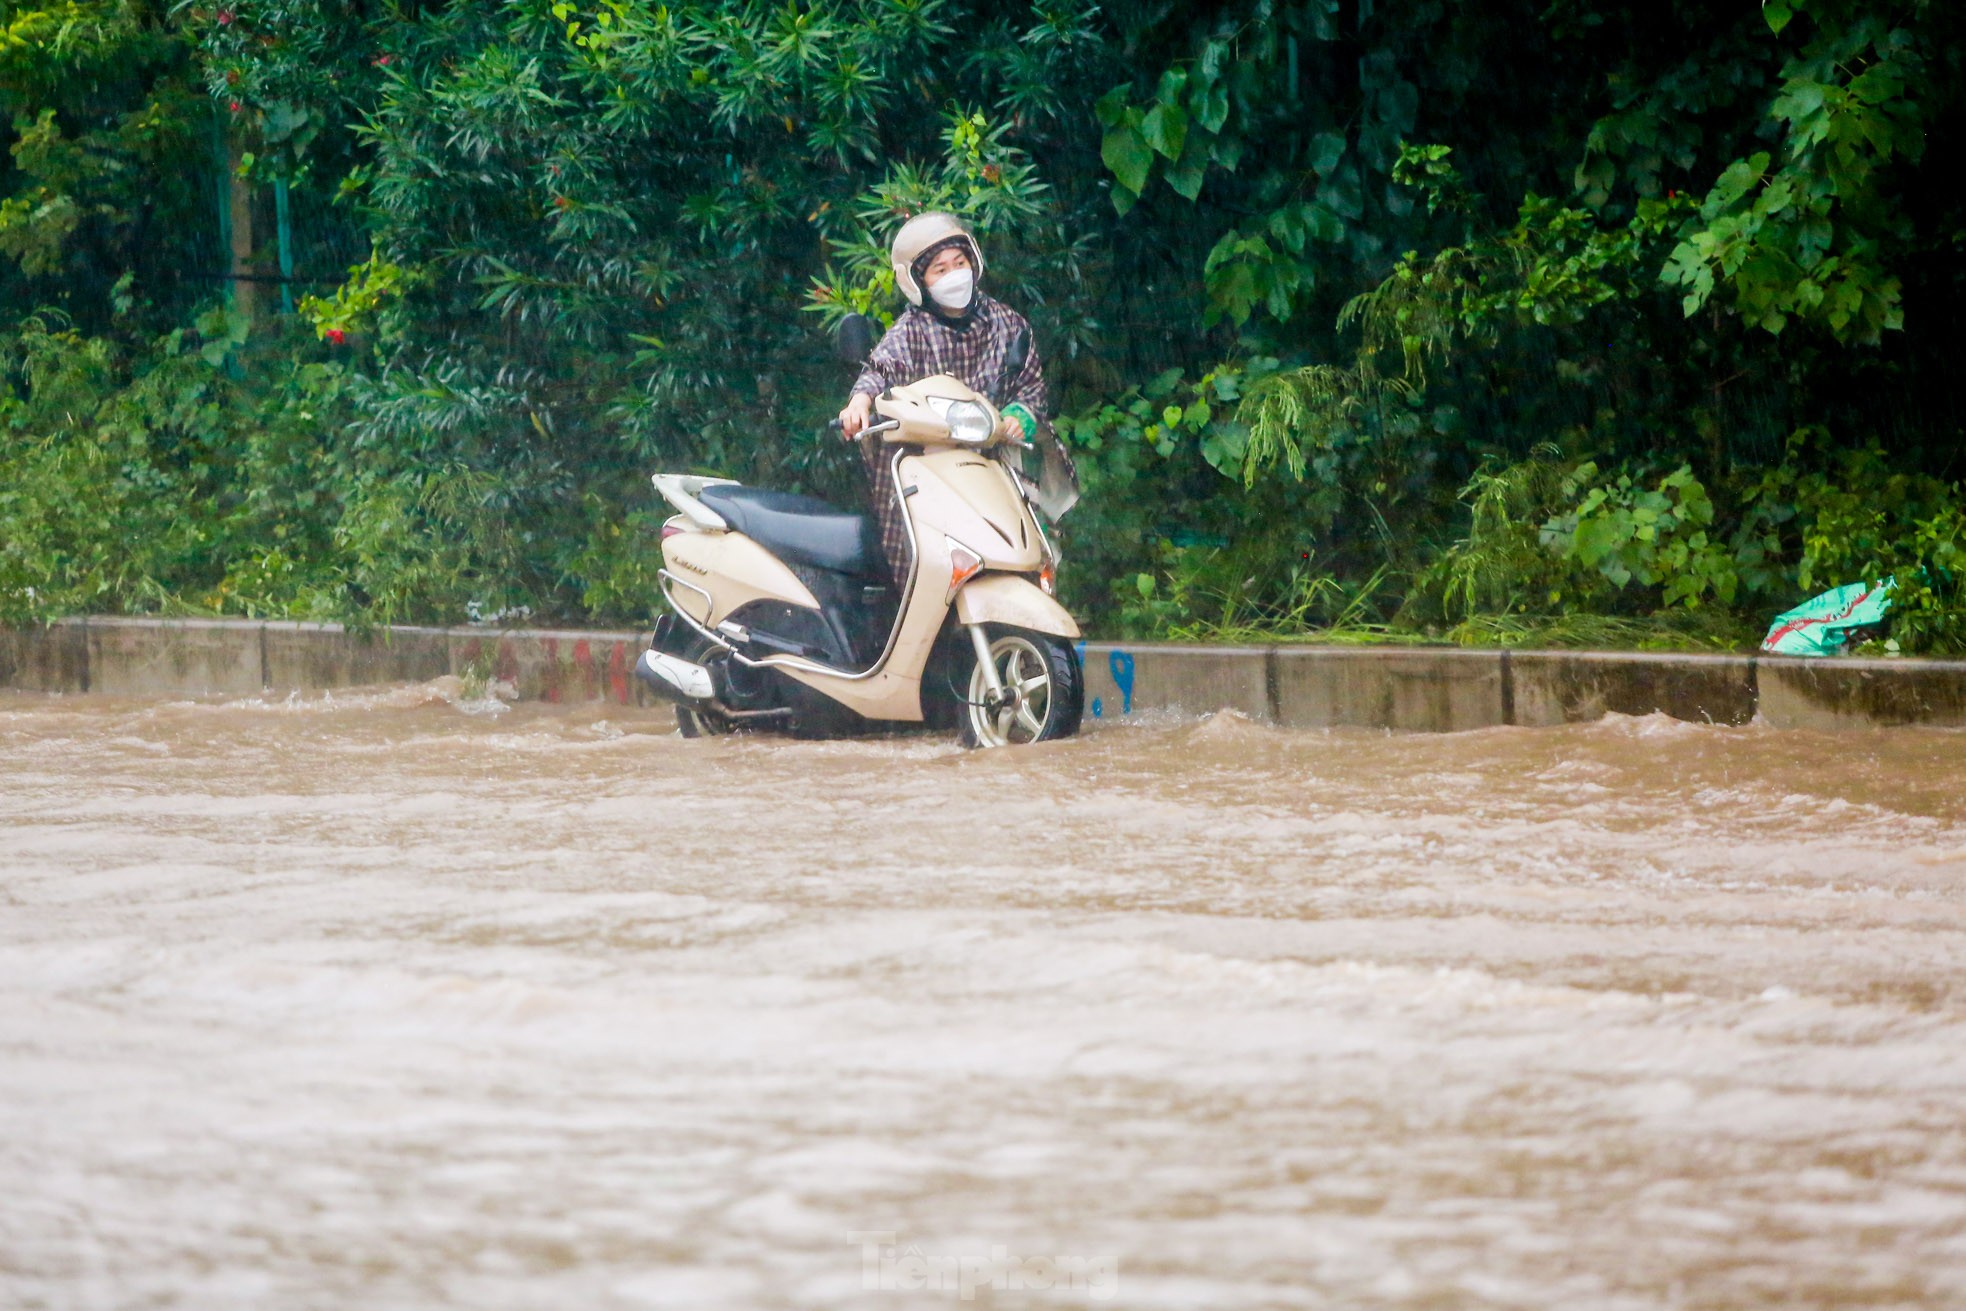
[780, 611]
[951, 327]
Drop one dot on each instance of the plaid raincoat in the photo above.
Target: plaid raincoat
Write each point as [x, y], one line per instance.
[922, 344]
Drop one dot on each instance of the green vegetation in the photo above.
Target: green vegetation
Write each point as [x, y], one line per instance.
[1582, 323]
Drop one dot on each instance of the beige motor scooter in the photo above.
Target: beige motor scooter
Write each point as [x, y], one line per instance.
[784, 613]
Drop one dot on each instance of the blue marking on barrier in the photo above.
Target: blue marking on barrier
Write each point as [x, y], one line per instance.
[1121, 663]
[1098, 707]
[1081, 650]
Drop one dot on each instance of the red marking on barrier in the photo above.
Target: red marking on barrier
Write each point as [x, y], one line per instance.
[583, 660]
[618, 672]
[552, 688]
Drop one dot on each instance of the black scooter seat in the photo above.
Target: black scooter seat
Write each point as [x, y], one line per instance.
[800, 528]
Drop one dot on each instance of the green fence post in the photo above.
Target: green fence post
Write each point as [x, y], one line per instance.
[284, 221]
[222, 194]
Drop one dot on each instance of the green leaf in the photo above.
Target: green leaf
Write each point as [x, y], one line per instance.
[1185, 177]
[1111, 107]
[1324, 19]
[1342, 194]
[1126, 153]
[1211, 106]
[1287, 226]
[1777, 13]
[1737, 180]
[1327, 148]
[1209, 66]
[1801, 98]
[1378, 145]
[1225, 448]
[1166, 130]
[1399, 104]
[283, 120]
[1323, 225]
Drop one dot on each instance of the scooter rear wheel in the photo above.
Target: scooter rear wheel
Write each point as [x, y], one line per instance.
[703, 723]
[1044, 691]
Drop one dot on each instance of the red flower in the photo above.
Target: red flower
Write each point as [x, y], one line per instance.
[233, 105]
[225, 18]
[381, 61]
[991, 173]
[337, 336]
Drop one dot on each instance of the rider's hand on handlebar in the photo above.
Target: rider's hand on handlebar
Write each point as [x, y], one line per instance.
[854, 417]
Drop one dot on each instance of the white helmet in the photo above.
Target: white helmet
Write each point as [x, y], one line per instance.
[922, 234]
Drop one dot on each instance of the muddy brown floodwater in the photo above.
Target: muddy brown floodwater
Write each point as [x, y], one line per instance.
[402, 1000]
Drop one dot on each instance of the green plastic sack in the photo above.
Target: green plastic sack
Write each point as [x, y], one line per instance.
[1829, 624]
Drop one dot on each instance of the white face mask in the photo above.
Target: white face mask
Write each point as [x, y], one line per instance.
[952, 290]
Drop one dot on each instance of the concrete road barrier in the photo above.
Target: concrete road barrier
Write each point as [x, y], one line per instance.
[1407, 689]
[301, 657]
[1567, 687]
[1122, 681]
[226, 657]
[1845, 693]
[1410, 689]
[174, 657]
[556, 665]
[54, 658]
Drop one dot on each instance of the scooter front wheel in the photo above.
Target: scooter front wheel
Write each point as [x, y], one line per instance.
[1040, 693]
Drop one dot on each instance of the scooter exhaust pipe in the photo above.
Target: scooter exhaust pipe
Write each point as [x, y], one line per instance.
[677, 680]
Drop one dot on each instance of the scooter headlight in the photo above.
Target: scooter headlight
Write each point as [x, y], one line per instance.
[969, 422]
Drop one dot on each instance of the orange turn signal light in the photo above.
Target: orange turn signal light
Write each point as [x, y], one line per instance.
[964, 564]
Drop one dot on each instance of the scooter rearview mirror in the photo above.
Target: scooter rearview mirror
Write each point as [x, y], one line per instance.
[853, 340]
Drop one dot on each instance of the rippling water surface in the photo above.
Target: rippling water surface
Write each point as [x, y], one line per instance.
[401, 1000]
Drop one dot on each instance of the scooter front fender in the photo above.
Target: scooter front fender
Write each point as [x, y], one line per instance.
[1014, 600]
